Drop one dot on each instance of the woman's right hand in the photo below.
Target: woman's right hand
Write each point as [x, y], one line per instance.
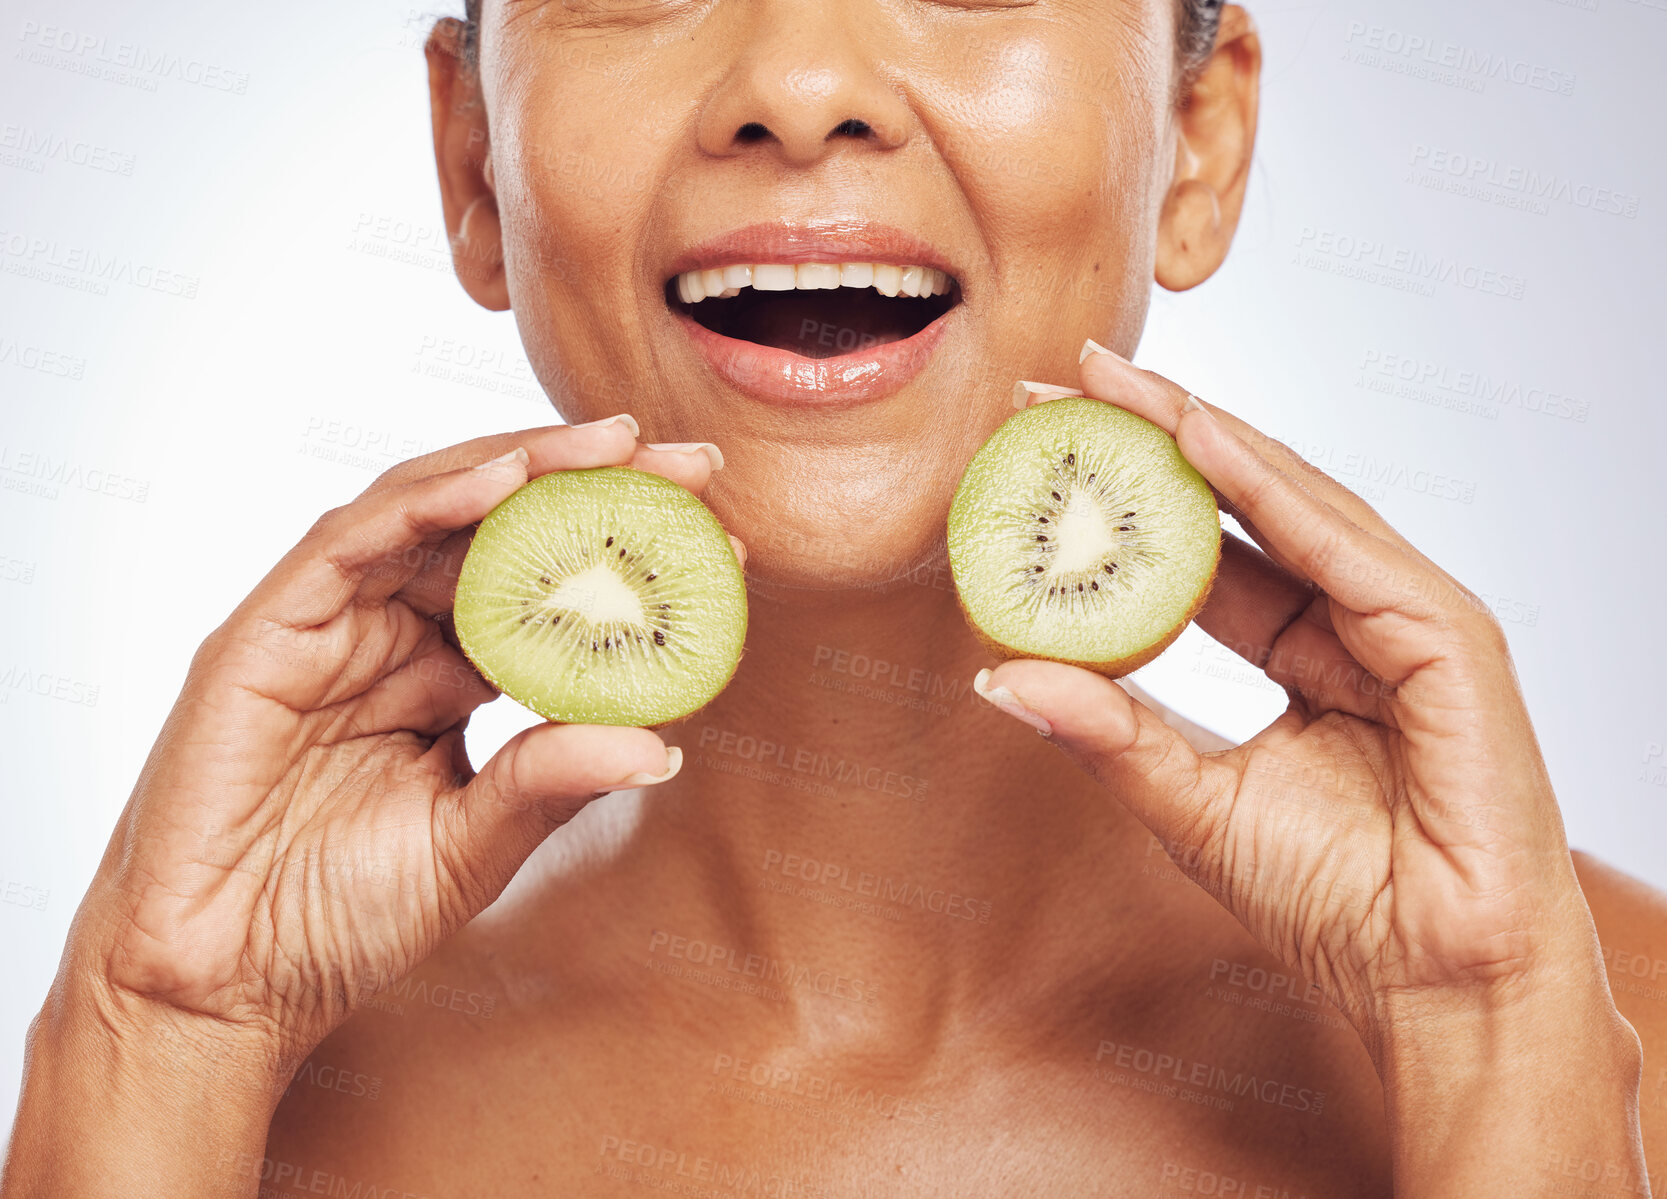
[307, 828]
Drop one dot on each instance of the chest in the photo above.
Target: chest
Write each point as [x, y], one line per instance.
[728, 1111]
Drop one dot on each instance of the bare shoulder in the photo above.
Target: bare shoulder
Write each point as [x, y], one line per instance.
[371, 1102]
[444, 1081]
[1631, 918]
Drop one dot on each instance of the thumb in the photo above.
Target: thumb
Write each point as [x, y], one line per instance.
[536, 783]
[1179, 794]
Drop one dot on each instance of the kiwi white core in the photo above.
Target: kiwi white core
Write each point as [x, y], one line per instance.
[599, 596]
[1084, 535]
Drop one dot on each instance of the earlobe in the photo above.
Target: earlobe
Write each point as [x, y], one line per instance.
[463, 158]
[1215, 134]
[477, 253]
[1191, 244]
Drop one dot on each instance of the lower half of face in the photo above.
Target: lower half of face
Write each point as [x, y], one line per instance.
[753, 290]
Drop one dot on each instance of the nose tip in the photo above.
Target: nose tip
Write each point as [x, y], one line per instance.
[803, 90]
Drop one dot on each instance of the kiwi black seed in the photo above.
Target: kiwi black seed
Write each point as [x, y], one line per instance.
[1133, 546]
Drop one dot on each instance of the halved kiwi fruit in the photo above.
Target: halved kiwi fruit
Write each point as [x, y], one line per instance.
[605, 596]
[1080, 534]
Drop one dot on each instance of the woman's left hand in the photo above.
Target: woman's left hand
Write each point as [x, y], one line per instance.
[1394, 835]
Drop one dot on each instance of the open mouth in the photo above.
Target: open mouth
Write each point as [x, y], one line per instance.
[815, 309]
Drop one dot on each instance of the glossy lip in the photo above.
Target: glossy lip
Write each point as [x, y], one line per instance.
[822, 241]
[783, 377]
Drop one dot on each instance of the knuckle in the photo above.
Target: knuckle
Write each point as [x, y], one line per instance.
[1488, 633]
[1473, 621]
[326, 526]
[1259, 493]
[1325, 548]
[212, 650]
[1271, 447]
[415, 470]
[394, 476]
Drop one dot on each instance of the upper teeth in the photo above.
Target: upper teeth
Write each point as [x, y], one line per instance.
[888, 280]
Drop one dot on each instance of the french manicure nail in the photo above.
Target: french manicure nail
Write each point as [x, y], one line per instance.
[740, 550]
[1026, 393]
[624, 418]
[1006, 701]
[1090, 347]
[1193, 405]
[674, 763]
[517, 455]
[689, 447]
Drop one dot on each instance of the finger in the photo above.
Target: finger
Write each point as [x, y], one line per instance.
[1394, 612]
[383, 535]
[549, 447]
[537, 782]
[432, 589]
[431, 691]
[1281, 625]
[1178, 793]
[1107, 376]
[1252, 601]
[609, 442]
[1318, 542]
[689, 464]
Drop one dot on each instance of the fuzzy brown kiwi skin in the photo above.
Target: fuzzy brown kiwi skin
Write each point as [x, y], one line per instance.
[1118, 667]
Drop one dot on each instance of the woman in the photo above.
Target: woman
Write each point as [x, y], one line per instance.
[976, 968]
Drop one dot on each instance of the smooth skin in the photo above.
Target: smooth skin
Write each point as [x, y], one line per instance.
[287, 974]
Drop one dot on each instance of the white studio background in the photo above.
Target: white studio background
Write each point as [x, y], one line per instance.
[1445, 293]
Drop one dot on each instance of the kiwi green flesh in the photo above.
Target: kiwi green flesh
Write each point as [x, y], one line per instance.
[605, 596]
[1080, 534]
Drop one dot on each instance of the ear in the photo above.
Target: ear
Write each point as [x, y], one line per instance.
[463, 154]
[1216, 132]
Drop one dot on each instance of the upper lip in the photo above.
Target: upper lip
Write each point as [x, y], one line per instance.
[842, 240]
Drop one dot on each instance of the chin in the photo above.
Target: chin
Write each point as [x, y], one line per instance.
[820, 539]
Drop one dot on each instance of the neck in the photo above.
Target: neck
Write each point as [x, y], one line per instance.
[849, 803]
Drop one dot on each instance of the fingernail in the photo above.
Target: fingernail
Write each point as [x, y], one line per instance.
[740, 550]
[1193, 405]
[689, 447]
[1090, 347]
[624, 418]
[1026, 393]
[674, 763]
[518, 456]
[1004, 699]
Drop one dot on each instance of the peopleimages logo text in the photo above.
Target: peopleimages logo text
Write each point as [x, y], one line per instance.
[98, 49]
[1454, 56]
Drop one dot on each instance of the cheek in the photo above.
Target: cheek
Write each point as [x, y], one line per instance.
[574, 196]
[1057, 148]
[566, 199]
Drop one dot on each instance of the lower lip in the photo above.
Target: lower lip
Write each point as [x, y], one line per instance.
[783, 377]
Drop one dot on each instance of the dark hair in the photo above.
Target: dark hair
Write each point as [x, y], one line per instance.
[1194, 41]
[1195, 36]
